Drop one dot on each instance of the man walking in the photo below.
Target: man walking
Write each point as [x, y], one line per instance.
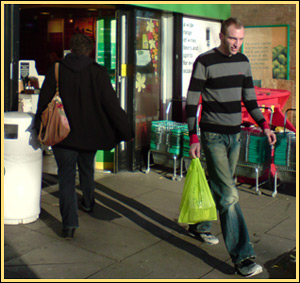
[223, 77]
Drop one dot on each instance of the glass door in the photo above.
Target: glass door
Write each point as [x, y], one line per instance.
[147, 77]
[138, 81]
[124, 152]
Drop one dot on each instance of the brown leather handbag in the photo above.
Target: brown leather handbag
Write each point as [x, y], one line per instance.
[54, 123]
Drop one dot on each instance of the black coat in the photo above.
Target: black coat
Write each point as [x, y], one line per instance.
[96, 118]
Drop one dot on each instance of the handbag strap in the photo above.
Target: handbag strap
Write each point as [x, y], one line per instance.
[56, 74]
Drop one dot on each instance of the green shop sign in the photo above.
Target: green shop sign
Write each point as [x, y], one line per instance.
[213, 11]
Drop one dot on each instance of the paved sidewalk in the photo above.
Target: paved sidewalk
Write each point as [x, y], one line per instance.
[133, 234]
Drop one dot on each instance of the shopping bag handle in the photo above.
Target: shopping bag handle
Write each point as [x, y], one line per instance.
[197, 117]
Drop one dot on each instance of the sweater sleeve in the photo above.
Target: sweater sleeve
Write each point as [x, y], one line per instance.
[250, 100]
[196, 85]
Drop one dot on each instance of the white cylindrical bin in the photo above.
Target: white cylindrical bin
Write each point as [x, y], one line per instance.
[22, 169]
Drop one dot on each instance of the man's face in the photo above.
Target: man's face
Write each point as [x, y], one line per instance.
[233, 40]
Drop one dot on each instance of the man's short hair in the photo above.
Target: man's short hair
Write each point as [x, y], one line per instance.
[81, 44]
[231, 21]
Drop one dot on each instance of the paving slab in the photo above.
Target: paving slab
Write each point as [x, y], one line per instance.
[47, 261]
[111, 240]
[281, 229]
[54, 271]
[19, 240]
[129, 187]
[173, 258]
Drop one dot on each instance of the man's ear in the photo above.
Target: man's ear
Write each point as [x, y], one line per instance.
[221, 36]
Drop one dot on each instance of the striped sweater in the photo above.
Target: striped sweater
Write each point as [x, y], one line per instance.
[223, 82]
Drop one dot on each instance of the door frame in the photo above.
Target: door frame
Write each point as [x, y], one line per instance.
[124, 152]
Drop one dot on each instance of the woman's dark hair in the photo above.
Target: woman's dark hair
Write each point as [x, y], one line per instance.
[81, 44]
[231, 21]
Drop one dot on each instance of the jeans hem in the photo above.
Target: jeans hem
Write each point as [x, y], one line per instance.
[249, 257]
[196, 231]
[70, 227]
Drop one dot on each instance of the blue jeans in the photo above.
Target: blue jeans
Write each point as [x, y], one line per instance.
[66, 160]
[222, 153]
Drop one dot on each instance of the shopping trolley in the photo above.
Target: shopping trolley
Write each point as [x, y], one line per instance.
[285, 156]
[255, 154]
[166, 144]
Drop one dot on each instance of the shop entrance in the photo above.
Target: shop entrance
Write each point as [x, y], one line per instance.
[45, 32]
[128, 44]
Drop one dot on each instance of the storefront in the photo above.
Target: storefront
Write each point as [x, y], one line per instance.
[148, 50]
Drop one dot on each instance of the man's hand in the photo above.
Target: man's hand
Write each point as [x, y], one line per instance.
[195, 150]
[271, 136]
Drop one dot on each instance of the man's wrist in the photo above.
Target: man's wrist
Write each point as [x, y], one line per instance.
[264, 125]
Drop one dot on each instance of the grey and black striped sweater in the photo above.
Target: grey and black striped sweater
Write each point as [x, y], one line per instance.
[223, 82]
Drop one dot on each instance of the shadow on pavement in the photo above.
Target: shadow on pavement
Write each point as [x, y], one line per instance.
[155, 229]
[21, 271]
[283, 266]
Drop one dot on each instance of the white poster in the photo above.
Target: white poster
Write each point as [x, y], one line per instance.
[198, 36]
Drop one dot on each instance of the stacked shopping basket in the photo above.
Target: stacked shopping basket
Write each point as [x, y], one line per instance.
[255, 155]
[186, 144]
[167, 136]
[285, 157]
[285, 149]
[166, 143]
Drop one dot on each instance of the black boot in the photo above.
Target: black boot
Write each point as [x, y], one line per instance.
[87, 209]
[68, 233]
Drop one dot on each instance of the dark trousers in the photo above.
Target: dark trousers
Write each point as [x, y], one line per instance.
[66, 160]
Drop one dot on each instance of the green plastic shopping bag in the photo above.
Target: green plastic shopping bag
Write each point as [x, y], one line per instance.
[197, 204]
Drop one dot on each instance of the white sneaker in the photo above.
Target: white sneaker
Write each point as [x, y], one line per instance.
[206, 237]
[209, 238]
[248, 268]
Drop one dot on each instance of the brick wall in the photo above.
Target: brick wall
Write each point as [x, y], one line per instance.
[271, 14]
